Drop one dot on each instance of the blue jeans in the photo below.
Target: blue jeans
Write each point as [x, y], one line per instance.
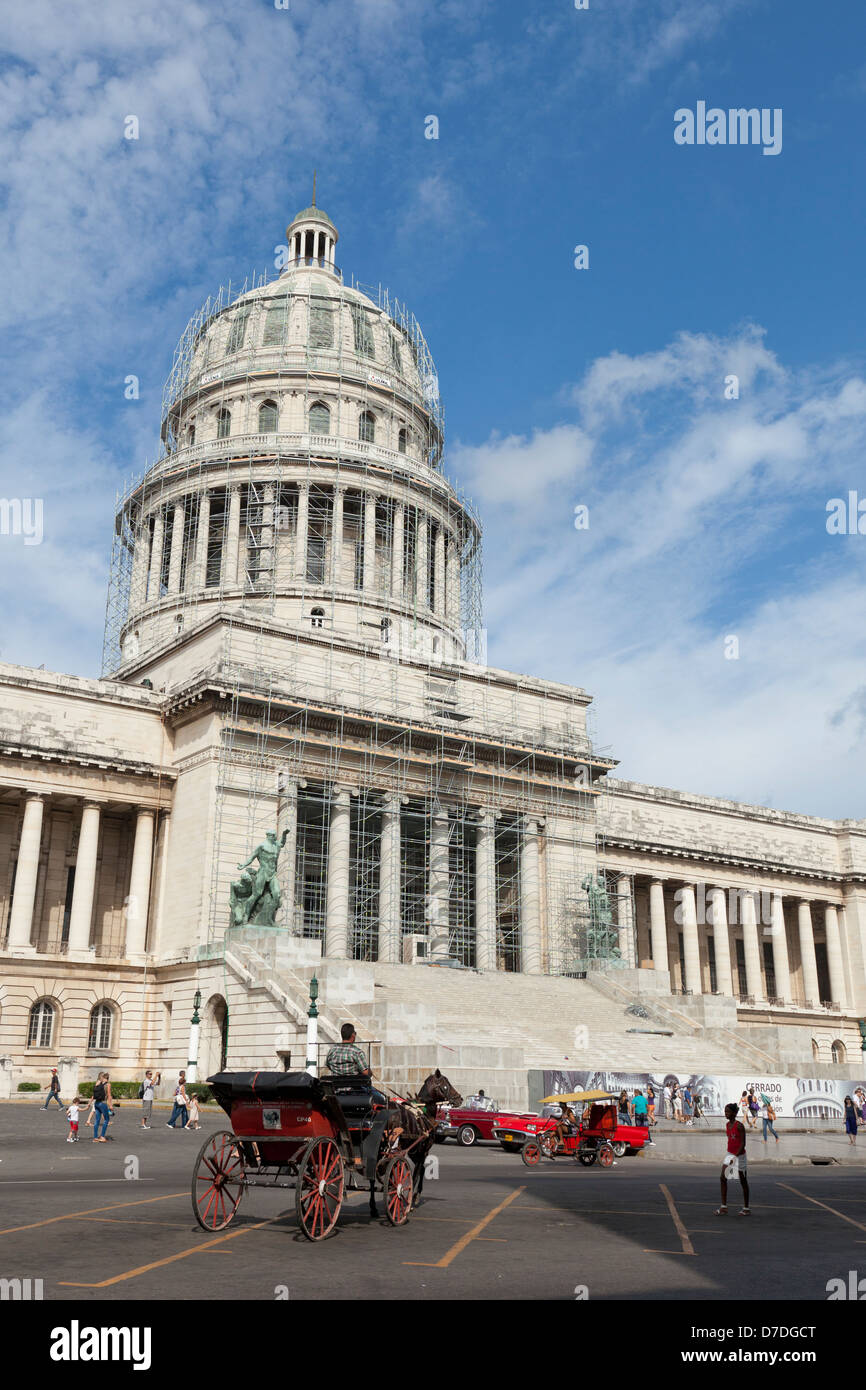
[100, 1113]
[768, 1125]
[53, 1095]
[179, 1112]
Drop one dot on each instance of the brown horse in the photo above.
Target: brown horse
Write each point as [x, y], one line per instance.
[435, 1091]
[409, 1133]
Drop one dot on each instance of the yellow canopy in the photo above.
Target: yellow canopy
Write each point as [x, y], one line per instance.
[579, 1096]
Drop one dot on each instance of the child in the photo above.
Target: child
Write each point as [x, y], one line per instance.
[193, 1123]
[72, 1117]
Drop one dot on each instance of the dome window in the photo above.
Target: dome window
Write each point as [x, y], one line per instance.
[396, 359]
[190, 435]
[238, 331]
[275, 324]
[268, 417]
[321, 327]
[320, 418]
[367, 427]
[363, 332]
[385, 630]
[317, 617]
[402, 438]
[224, 424]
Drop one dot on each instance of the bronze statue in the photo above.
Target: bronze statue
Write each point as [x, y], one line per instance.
[255, 897]
[601, 934]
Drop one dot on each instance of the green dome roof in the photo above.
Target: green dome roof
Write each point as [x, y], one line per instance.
[312, 214]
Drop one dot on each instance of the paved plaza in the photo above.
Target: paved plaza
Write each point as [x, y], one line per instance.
[487, 1227]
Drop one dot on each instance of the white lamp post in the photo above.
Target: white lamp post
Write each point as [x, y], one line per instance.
[194, 1034]
[313, 1030]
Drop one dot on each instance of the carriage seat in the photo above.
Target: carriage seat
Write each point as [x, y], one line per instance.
[355, 1095]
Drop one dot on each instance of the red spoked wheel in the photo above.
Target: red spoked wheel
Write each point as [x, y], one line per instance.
[319, 1193]
[531, 1153]
[218, 1181]
[398, 1188]
[605, 1156]
[547, 1143]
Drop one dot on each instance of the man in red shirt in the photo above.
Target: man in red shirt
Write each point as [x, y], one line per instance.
[735, 1161]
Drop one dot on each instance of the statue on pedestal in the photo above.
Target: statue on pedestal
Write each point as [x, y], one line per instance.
[601, 935]
[255, 898]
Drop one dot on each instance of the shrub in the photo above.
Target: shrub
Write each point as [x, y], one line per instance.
[29, 1086]
[120, 1090]
[200, 1089]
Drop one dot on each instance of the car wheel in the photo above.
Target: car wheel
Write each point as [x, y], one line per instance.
[466, 1136]
[587, 1157]
[619, 1148]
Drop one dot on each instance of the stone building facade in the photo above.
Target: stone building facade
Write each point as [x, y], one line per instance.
[292, 643]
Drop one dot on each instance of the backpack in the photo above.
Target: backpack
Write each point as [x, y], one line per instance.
[141, 1091]
[99, 1092]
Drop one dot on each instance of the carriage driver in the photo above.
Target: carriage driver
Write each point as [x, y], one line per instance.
[346, 1058]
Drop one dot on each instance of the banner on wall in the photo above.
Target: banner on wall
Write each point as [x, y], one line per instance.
[792, 1097]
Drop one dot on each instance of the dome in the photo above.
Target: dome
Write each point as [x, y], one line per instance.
[312, 214]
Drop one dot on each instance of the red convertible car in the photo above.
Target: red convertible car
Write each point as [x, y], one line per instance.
[467, 1124]
[599, 1135]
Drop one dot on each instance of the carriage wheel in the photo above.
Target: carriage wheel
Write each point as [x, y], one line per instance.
[605, 1156]
[218, 1181]
[397, 1186]
[531, 1153]
[587, 1157]
[319, 1192]
[547, 1143]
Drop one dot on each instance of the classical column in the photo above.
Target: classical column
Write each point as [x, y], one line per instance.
[452, 584]
[21, 916]
[337, 909]
[779, 938]
[422, 562]
[287, 820]
[231, 553]
[691, 946]
[369, 542]
[390, 917]
[658, 926]
[337, 536]
[485, 892]
[200, 576]
[625, 917]
[721, 943]
[138, 901]
[140, 558]
[834, 956]
[81, 914]
[397, 552]
[751, 945]
[154, 578]
[439, 572]
[176, 552]
[300, 562]
[530, 900]
[162, 840]
[811, 990]
[438, 882]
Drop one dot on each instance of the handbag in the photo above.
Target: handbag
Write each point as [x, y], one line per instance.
[771, 1114]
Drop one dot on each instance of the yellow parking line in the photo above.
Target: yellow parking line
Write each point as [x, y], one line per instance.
[168, 1260]
[462, 1243]
[72, 1215]
[688, 1248]
[841, 1214]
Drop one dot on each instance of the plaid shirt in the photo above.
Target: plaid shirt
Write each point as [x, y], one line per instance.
[346, 1060]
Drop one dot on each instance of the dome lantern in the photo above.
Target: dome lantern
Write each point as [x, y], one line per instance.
[312, 237]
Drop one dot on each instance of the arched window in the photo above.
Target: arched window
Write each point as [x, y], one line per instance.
[41, 1030]
[268, 417]
[367, 427]
[317, 617]
[402, 439]
[190, 435]
[224, 424]
[839, 1052]
[320, 418]
[101, 1028]
[816, 1051]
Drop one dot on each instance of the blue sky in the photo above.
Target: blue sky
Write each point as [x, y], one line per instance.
[602, 387]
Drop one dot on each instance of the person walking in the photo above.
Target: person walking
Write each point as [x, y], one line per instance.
[622, 1109]
[688, 1105]
[768, 1115]
[677, 1101]
[100, 1107]
[193, 1122]
[651, 1105]
[180, 1109]
[735, 1160]
[53, 1090]
[72, 1112]
[145, 1095]
[860, 1099]
[850, 1120]
[747, 1116]
[639, 1108]
[668, 1102]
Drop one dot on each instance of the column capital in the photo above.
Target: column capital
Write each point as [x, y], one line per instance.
[391, 802]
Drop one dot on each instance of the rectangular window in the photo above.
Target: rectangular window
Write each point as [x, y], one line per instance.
[711, 960]
[741, 967]
[67, 905]
[769, 970]
[396, 359]
[321, 327]
[275, 324]
[238, 331]
[363, 332]
[215, 533]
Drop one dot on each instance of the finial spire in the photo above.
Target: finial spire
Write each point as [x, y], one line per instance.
[314, 188]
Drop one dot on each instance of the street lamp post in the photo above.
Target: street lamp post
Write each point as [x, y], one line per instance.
[194, 1034]
[313, 1030]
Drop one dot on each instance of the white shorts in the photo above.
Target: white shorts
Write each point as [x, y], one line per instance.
[734, 1165]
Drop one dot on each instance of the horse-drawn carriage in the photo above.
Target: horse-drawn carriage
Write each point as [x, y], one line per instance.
[322, 1136]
